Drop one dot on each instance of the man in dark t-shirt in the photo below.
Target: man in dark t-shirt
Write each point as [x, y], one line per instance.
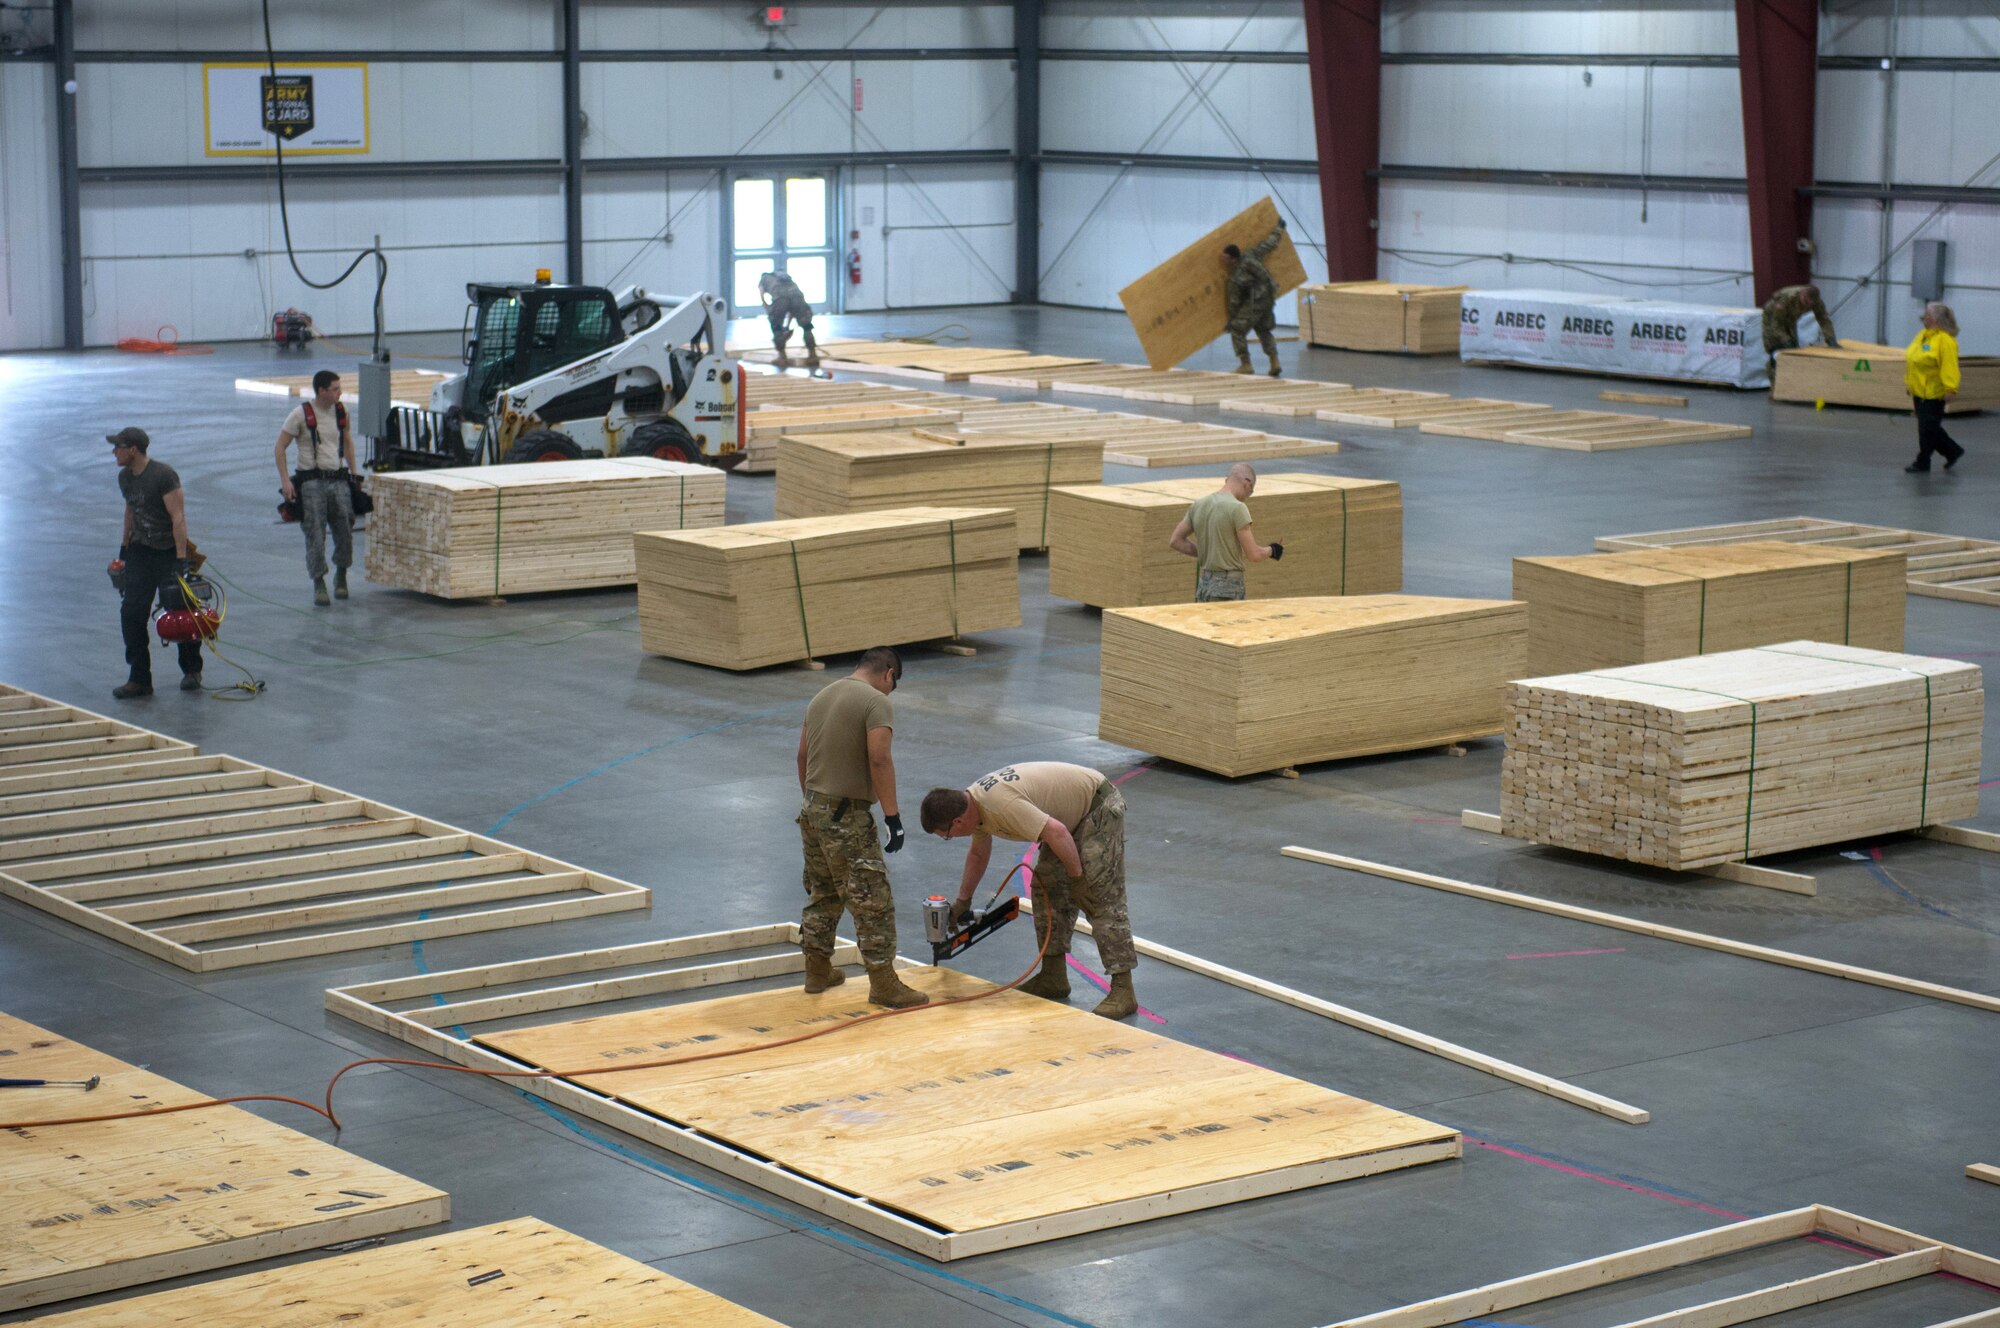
[154, 550]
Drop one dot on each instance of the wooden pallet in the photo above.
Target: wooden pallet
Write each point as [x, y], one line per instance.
[407, 387]
[209, 862]
[1580, 430]
[1905, 1257]
[938, 1161]
[519, 1274]
[91, 1208]
[1941, 566]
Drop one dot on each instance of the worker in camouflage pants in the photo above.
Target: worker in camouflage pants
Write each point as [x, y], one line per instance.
[1782, 313]
[783, 301]
[1252, 294]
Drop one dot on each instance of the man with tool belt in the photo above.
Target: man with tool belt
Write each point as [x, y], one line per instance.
[153, 556]
[1216, 534]
[784, 300]
[845, 766]
[326, 459]
[1252, 295]
[1078, 818]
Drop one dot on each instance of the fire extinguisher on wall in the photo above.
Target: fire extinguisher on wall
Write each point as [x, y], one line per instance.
[854, 259]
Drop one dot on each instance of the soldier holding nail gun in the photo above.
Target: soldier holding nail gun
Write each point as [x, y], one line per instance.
[1078, 818]
[845, 767]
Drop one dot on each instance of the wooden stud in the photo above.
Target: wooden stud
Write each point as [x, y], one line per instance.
[1983, 1171]
[1964, 836]
[1800, 1292]
[1643, 398]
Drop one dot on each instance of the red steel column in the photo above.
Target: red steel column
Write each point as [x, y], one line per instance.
[1344, 52]
[1777, 48]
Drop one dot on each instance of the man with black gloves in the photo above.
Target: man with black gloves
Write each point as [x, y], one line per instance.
[845, 767]
[154, 551]
[1216, 534]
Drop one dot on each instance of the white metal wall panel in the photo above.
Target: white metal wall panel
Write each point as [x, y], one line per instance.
[660, 230]
[30, 217]
[152, 114]
[942, 235]
[729, 108]
[1925, 28]
[1585, 240]
[1847, 138]
[346, 25]
[1103, 226]
[159, 253]
[1547, 118]
[1185, 25]
[630, 27]
[1848, 234]
[1151, 106]
[1561, 27]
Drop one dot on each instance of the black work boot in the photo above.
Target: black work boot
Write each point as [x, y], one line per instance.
[127, 691]
[319, 592]
[340, 583]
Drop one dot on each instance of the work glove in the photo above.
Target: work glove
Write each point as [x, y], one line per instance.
[1277, 551]
[183, 568]
[961, 913]
[895, 824]
[1281, 224]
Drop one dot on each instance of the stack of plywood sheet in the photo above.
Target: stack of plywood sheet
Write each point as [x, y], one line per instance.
[772, 399]
[1577, 430]
[1260, 685]
[769, 592]
[1606, 609]
[1688, 763]
[1863, 374]
[1342, 536]
[1147, 440]
[1381, 315]
[835, 473]
[505, 530]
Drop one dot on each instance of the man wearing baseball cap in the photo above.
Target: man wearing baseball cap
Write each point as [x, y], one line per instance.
[154, 550]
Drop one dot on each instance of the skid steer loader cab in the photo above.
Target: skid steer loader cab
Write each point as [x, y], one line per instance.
[521, 331]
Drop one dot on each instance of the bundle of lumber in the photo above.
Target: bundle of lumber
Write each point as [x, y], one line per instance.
[1605, 609]
[509, 530]
[1381, 315]
[1860, 373]
[1342, 536]
[1244, 687]
[833, 473]
[1688, 763]
[775, 401]
[742, 597]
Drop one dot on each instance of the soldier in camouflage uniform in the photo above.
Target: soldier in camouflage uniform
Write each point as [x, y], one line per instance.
[1252, 293]
[1077, 816]
[784, 300]
[845, 766]
[1781, 319]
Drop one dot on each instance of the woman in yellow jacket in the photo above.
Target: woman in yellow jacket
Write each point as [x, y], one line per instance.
[1931, 372]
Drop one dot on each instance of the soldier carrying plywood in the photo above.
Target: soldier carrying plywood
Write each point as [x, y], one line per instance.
[1252, 294]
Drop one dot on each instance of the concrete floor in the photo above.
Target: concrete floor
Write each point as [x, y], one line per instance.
[542, 721]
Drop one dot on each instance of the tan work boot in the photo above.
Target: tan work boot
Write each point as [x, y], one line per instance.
[1052, 983]
[1243, 366]
[1120, 1003]
[821, 974]
[1276, 371]
[885, 988]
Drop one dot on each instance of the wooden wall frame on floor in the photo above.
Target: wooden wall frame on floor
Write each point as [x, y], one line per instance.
[1579, 430]
[1741, 873]
[1907, 1256]
[519, 1274]
[210, 862]
[1641, 927]
[91, 1208]
[1214, 1130]
[1941, 566]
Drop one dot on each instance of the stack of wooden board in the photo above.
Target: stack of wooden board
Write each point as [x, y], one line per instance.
[1941, 566]
[506, 530]
[774, 591]
[86, 1209]
[771, 398]
[1578, 430]
[1689, 763]
[835, 473]
[1244, 687]
[1606, 609]
[1863, 374]
[1381, 315]
[1342, 536]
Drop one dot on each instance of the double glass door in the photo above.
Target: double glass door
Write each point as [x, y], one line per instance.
[782, 223]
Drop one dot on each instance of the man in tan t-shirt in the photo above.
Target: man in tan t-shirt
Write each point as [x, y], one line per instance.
[318, 429]
[1216, 534]
[845, 767]
[1078, 817]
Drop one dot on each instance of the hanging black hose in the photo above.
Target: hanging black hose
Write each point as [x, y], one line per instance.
[285, 221]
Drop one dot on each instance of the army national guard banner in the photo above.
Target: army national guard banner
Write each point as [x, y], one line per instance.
[1609, 334]
[317, 109]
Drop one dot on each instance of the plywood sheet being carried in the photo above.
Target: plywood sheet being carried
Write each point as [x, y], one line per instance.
[1860, 373]
[209, 862]
[92, 1208]
[926, 1116]
[1182, 305]
[519, 1274]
